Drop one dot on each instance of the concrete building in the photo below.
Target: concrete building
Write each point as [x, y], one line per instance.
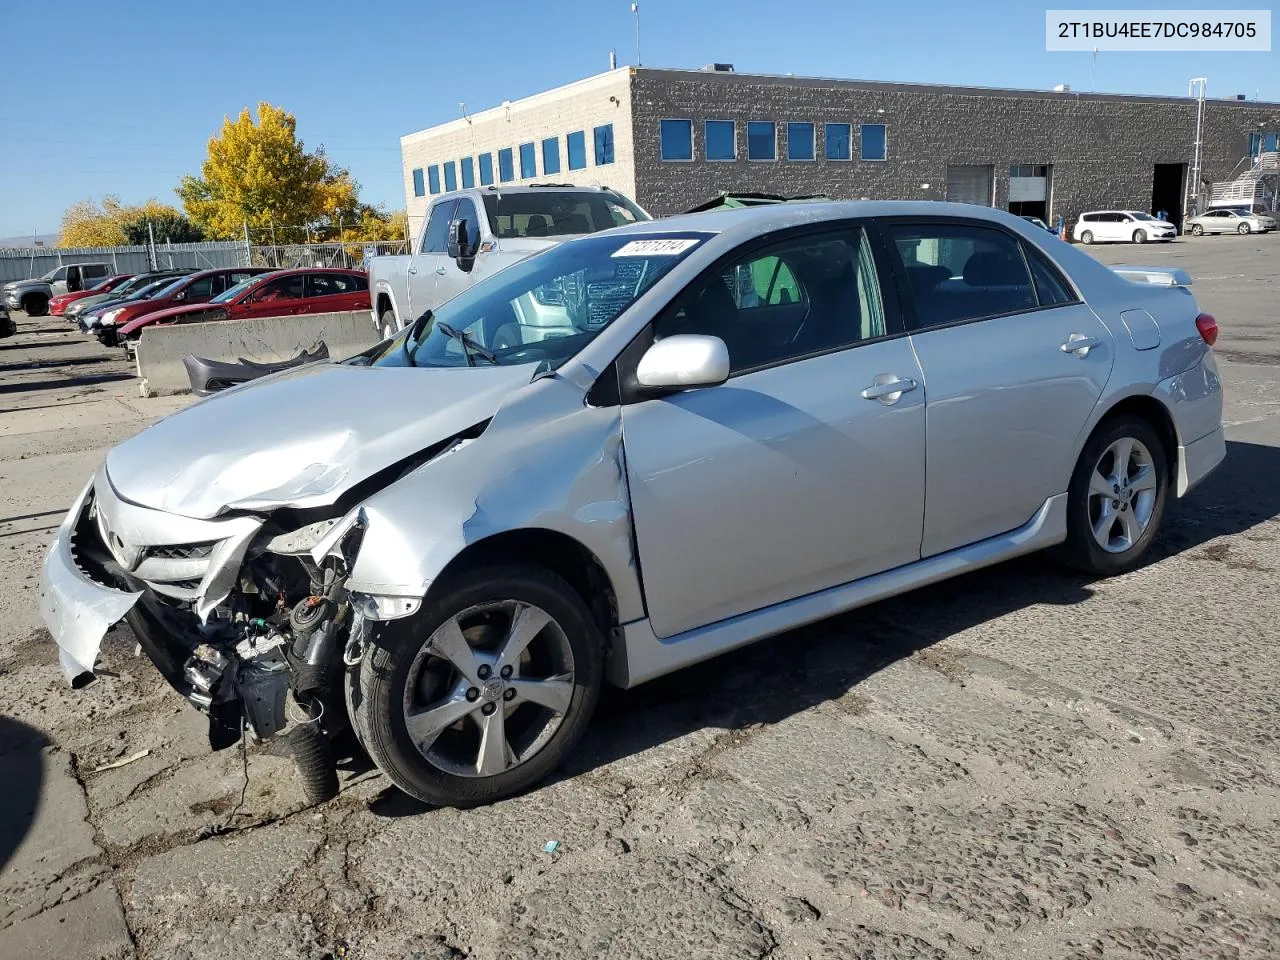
[672, 139]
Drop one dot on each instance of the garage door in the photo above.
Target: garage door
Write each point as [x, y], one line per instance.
[970, 184]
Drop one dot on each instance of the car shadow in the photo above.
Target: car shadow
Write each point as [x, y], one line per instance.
[776, 678]
[22, 772]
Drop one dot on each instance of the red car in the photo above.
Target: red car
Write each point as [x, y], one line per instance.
[284, 292]
[59, 304]
[193, 288]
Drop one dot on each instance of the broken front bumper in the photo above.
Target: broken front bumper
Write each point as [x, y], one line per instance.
[77, 610]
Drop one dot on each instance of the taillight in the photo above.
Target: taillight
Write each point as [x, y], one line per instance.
[1208, 328]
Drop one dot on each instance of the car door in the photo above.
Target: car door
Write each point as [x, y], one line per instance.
[805, 469]
[276, 298]
[425, 268]
[331, 293]
[1014, 363]
[453, 278]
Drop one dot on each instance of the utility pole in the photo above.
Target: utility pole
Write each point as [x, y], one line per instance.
[1093, 84]
[1197, 87]
[635, 9]
[151, 247]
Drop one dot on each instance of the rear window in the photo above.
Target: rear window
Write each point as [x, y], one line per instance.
[557, 213]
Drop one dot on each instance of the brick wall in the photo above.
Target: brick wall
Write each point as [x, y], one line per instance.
[1102, 149]
[577, 106]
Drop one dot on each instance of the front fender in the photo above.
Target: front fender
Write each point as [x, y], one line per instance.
[549, 462]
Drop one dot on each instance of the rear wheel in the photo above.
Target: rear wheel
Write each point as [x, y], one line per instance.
[1197, 230]
[35, 304]
[387, 321]
[1243, 229]
[1139, 236]
[1117, 497]
[484, 691]
[1086, 237]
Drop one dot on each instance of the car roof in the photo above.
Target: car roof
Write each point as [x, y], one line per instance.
[749, 221]
[290, 271]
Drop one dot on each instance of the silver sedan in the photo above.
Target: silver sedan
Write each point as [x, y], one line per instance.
[754, 419]
[1229, 221]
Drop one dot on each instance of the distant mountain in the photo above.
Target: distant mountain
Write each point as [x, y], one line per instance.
[48, 239]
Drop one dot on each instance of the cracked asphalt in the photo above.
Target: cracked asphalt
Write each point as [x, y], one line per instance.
[1016, 763]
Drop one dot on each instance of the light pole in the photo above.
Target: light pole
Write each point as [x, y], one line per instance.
[1197, 87]
[635, 9]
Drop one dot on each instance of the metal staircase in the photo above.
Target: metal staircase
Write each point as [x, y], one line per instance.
[1257, 185]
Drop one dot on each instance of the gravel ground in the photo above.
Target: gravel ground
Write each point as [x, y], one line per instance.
[1017, 763]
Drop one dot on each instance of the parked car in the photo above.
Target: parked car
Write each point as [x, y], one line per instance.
[194, 288]
[758, 418]
[275, 294]
[59, 304]
[1123, 226]
[1229, 220]
[458, 246]
[33, 296]
[140, 288]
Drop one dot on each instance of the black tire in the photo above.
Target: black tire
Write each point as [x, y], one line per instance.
[35, 304]
[1139, 236]
[387, 326]
[1243, 229]
[376, 694]
[1086, 237]
[1081, 550]
[1197, 230]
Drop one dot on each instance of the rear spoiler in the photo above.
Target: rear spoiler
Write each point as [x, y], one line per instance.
[1156, 276]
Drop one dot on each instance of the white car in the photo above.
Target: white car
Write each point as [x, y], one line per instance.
[1124, 226]
[1230, 220]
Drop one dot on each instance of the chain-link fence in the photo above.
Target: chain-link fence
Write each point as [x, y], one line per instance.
[354, 256]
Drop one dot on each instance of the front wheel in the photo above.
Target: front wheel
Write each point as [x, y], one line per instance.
[1197, 230]
[35, 305]
[1139, 236]
[484, 691]
[1117, 496]
[1243, 229]
[387, 321]
[1086, 237]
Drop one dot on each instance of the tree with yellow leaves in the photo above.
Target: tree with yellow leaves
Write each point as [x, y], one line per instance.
[113, 224]
[258, 173]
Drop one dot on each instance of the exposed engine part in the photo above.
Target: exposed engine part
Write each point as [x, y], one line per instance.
[262, 683]
[354, 652]
[203, 671]
[313, 754]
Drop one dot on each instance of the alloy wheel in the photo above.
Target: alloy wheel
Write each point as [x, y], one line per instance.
[1122, 495]
[489, 688]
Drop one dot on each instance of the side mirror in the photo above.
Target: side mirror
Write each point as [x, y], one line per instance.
[684, 360]
[180, 295]
[460, 246]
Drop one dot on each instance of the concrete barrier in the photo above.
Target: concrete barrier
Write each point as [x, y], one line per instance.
[161, 349]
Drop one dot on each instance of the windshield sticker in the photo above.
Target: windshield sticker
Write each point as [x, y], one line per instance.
[654, 248]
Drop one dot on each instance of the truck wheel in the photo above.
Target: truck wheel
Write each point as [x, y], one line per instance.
[484, 691]
[388, 324]
[35, 304]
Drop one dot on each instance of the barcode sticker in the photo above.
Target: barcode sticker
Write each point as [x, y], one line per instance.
[654, 248]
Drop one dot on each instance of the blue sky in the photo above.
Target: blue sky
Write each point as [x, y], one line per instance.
[127, 104]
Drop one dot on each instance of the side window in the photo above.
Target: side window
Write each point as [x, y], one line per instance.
[961, 271]
[281, 288]
[467, 211]
[201, 288]
[799, 297]
[1051, 289]
[95, 271]
[330, 284]
[436, 237]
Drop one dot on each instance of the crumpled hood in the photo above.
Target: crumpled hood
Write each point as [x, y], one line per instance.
[302, 437]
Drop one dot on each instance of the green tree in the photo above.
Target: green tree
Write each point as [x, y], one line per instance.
[258, 172]
[165, 222]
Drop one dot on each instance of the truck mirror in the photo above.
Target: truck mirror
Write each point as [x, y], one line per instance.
[460, 246]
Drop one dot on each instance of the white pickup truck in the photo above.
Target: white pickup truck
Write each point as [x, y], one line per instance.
[469, 235]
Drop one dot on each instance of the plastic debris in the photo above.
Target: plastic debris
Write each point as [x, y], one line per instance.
[551, 847]
[124, 762]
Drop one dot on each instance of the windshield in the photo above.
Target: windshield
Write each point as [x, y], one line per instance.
[232, 292]
[544, 309]
[1140, 216]
[155, 286]
[101, 284]
[57, 273]
[167, 287]
[557, 213]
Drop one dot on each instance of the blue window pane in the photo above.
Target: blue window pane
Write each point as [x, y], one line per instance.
[604, 144]
[551, 155]
[468, 173]
[418, 189]
[433, 178]
[873, 141]
[676, 139]
[576, 147]
[762, 140]
[1270, 142]
[506, 165]
[720, 137]
[450, 176]
[528, 161]
[800, 141]
[839, 137]
[486, 169]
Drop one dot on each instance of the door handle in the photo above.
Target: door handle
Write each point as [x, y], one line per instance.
[1080, 345]
[412, 271]
[441, 271]
[888, 388]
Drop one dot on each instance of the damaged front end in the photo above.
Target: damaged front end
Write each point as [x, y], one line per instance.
[247, 617]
